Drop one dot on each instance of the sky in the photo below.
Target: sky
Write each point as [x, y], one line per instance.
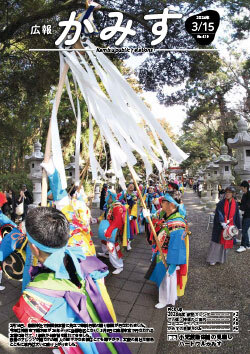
[174, 115]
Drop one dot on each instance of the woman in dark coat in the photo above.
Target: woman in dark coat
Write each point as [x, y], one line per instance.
[226, 213]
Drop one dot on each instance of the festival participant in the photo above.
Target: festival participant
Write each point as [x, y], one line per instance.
[226, 214]
[171, 228]
[245, 206]
[172, 186]
[129, 199]
[66, 286]
[141, 187]
[115, 217]
[150, 197]
[76, 212]
[159, 189]
[181, 188]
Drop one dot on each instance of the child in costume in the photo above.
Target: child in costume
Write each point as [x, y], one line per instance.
[129, 199]
[171, 228]
[67, 286]
[115, 217]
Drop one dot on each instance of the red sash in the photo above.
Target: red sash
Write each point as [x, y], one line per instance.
[229, 215]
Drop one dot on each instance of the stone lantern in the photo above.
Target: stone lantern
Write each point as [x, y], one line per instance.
[225, 163]
[35, 174]
[201, 175]
[96, 199]
[70, 170]
[241, 143]
[208, 181]
[213, 183]
[206, 193]
[111, 177]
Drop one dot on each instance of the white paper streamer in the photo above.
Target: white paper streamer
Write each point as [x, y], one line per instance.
[127, 93]
[116, 115]
[56, 147]
[78, 142]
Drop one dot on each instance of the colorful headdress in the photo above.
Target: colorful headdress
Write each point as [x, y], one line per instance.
[55, 261]
[112, 194]
[181, 207]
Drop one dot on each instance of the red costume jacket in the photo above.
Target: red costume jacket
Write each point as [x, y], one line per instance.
[115, 218]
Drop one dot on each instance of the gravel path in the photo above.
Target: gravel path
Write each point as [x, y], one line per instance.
[219, 287]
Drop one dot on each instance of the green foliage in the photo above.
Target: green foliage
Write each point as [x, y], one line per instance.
[14, 181]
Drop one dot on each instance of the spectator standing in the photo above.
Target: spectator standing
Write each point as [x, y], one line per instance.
[245, 206]
[11, 198]
[226, 214]
[103, 196]
[200, 189]
[26, 198]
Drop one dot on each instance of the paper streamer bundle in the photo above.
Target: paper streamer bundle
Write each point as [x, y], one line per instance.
[116, 113]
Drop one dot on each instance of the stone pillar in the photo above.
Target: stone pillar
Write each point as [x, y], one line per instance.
[241, 143]
[206, 194]
[35, 174]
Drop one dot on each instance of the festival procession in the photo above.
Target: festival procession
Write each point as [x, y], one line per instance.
[124, 177]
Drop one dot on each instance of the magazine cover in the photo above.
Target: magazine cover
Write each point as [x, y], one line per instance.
[124, 176]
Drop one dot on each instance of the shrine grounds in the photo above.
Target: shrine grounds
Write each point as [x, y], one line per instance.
[219, 287]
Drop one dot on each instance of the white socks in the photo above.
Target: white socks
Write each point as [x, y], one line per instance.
[117, 271]
[160, 305]
[129, 248]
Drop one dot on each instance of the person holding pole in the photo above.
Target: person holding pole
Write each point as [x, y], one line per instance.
[129, 199]
[150, 196]
[171, 228]
[115, 218]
